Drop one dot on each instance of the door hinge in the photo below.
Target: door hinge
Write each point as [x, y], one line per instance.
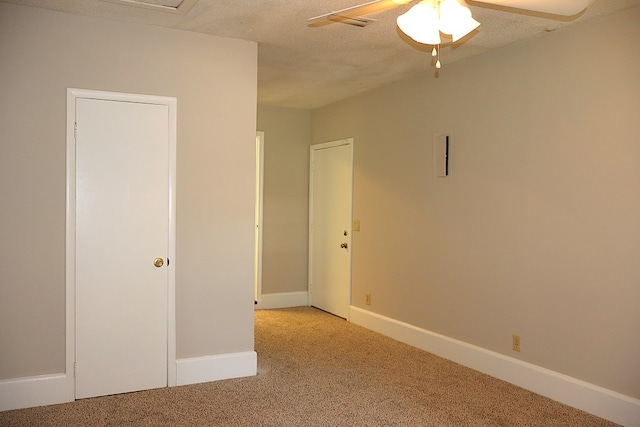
[75, 130]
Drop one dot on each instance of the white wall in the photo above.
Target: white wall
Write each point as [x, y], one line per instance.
[536, 231]
[42, 53]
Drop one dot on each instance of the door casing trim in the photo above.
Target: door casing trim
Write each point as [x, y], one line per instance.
[259, 216]
[70, 285]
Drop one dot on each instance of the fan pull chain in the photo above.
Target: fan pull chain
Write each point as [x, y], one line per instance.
[436, 53]
[436, 48]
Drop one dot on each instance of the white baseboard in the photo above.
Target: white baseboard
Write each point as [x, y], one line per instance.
[213, 368]
[579, 394]
[33, 391]
[282, 300]
[43, 390]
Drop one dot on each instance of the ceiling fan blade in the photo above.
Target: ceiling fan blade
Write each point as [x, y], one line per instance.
[554, 7]
[357, 11]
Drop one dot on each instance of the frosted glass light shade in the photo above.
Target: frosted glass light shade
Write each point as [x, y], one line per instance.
[456, 20]
[421, 23]
[464, 28]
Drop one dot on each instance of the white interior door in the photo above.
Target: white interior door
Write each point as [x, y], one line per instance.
[122, 210]
[331, 187]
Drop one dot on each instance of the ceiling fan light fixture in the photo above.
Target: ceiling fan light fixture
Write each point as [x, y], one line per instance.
[426, 20]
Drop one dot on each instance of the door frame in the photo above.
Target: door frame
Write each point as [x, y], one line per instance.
[259, 216]
[315, 147]
[70, 285]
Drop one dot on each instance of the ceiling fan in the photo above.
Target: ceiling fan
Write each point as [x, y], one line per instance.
[427, 19]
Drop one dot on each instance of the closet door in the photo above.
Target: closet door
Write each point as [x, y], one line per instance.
[122, 235]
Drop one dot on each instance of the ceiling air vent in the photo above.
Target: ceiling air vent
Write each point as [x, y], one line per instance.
[176, 6]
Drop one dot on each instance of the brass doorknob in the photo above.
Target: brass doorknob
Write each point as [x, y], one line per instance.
[158, 262]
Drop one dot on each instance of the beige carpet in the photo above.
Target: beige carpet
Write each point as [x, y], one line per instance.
[317, 370]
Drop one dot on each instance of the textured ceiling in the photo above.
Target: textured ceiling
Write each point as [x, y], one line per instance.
[307, 67]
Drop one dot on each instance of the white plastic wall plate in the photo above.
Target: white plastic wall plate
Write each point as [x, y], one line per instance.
[441, 149]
